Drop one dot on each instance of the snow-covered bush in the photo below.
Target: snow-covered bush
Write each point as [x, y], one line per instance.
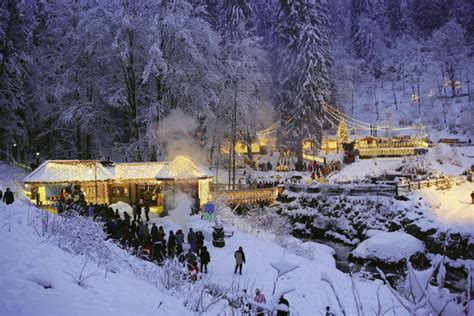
[417, 165]
[173, 275]
[419, 297]
[443, 153]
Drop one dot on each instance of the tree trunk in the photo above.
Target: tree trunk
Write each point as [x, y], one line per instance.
[452, 80]
[418, 95]
[249, 151]
[299, 154]
[468, 87]
[375, 101]
[352, 98]
[234, 134]
[78, 142]
[88, 153]
[394, 96]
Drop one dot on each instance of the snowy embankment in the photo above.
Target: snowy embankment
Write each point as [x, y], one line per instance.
[389, 247]
[43, 273]
[441, 159]
[363, 168]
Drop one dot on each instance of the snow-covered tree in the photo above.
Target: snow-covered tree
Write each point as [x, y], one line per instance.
[302, 62]
[396, 18]
[449, 46]
[342, 136]
[16, 22]
[429, 15]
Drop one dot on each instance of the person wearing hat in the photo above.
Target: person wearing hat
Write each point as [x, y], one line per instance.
[259, 298]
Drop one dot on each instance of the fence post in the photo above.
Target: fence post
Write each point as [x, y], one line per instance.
[428, 183]
[419, 185]
[409, 185]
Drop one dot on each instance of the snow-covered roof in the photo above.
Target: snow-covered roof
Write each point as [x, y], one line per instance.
[183, 168]
[62, 171]
[137, 170]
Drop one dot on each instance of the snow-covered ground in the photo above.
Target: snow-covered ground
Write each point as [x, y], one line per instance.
[311, 295]
[453, 208]
[37, 275]
[366, 167]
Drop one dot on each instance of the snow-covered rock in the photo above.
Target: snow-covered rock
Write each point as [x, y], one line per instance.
[122, 207]
[388, 247]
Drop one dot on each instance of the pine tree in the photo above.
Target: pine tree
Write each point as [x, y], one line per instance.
[342, 136]
[359, 8]
[396, 17]
[303, 59]
[430, 14]
[16, 22]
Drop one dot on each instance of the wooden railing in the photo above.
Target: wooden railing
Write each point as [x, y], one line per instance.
[248, 196]
[439, 184]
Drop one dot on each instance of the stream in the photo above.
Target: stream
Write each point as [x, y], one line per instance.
[455, 281]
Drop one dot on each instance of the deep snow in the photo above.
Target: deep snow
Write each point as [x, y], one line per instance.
[29, 263]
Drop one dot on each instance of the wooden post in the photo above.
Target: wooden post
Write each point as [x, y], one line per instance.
[428, 183]
[419, 185]
[409, 185]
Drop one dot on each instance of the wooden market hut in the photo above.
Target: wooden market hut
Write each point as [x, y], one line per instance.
[135, 181]
[185, 175]
[53, 175]
[150, 182]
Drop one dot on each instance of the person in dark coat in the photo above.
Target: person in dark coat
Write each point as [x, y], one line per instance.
[171, 244]
[283, 301]
[199, 242]
[161, 233]
[179, 242]
[119, 223]
[158, 251]
[239, 260]
[1, 195]
[205, 259]
[192, 240]
[137, 212]
[125, 231]
[329, 312]
[190, 257]
[154, 233]
[8, 197]
[147, 211]
[126, 216]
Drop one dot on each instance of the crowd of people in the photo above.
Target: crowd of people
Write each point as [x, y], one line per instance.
[319, 170]
[152, 243]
